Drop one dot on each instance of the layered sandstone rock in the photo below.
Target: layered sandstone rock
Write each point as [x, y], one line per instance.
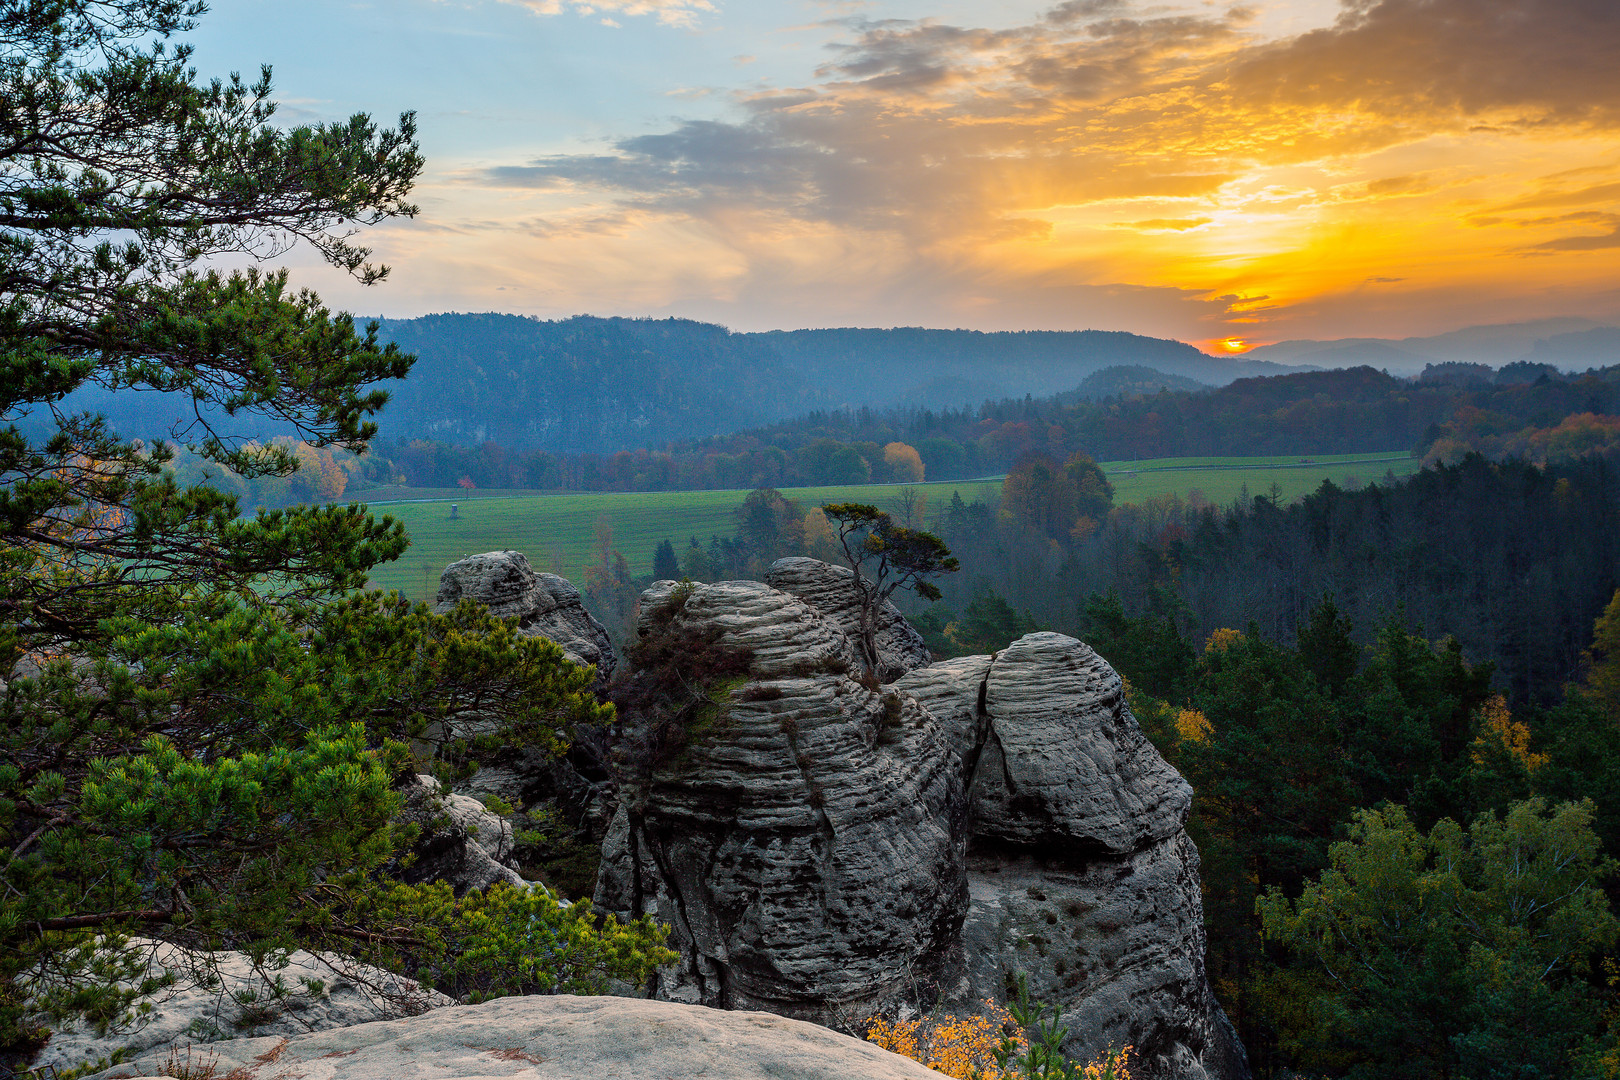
[795, 846]
[830, 590]
[1081, 873]
[806, 847]
[545, 605]
[554, 1038]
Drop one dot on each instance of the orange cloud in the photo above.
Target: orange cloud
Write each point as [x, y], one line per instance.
[1112, 166]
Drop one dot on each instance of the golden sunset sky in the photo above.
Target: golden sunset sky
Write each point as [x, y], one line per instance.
[1245, 173]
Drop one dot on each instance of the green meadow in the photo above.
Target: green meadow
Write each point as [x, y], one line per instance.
[558, 531]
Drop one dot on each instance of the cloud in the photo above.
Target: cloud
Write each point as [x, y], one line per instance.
[1588, 241]
[1106, 144]
[1517, 63]
[1163, 224]
[669, 12]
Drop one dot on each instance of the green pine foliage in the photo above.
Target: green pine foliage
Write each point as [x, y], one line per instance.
[1355, 928]
[1456, 952]
[202, 722]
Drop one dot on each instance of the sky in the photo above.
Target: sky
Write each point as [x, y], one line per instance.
[1225, 174]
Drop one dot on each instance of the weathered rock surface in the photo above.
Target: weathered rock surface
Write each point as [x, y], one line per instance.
[1080, 871]
[545, 605]
[247, 1004]
[807, 848]
[953, 691]
[556, 1038]
[794, 847]
[829, 589]
[1118, 942]
[1065, 767]
[460, 842]
[786, 636]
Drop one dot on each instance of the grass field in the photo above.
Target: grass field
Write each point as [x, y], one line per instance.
[557, 531]
[1221, 480]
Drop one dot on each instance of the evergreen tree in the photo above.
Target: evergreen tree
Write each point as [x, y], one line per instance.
[200, 726]
[1455, 953]
[665, 565]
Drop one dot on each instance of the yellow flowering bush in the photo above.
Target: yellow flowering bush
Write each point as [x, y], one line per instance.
[992, 1045]
[963, 1047]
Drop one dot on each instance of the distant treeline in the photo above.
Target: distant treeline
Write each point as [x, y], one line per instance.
[1513, 561]
[1330, 412]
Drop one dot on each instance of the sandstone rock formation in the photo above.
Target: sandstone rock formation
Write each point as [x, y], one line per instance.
[813, 847]
[247, 1004]
[460, 841]
[545, 605]
[807, 847]
[829, 589]
[553, 1038]
[1080, 871]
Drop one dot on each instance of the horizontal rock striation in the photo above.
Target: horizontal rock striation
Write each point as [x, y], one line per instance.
[807, 846]
[826, 847]
[1081, 873]
[830, 590]
[544, 605]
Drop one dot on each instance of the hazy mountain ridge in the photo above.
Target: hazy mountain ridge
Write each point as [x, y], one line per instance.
[1572, 344]
[601, 385]
[589, 384]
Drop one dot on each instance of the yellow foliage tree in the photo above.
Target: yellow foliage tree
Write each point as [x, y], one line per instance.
[1222, 639]
[966, 1047]
[1604, 656]
[1499, 732]
[905, 464]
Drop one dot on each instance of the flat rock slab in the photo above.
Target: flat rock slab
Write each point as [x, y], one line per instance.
[554, 1038]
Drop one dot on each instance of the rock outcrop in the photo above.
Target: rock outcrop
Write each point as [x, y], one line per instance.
[830, 590]
[552, 1038]
[807, 846]
[1081, 873]
[816, 849]
[312, 993]
[460, 842]
[545, 605]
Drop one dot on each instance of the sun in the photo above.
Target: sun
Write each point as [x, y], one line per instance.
[1229, 346]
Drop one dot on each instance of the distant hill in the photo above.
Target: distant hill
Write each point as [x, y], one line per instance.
[600, 385]
[953, 368]
[1131, 381]
[585, 384]
[1573, 344]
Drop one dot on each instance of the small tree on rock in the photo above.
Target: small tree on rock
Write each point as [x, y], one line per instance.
[886, 557]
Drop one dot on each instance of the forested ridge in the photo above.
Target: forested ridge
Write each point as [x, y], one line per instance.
[1329, 412]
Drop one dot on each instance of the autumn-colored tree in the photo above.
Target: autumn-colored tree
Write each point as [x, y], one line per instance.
[905, 464]
[1603, 658]
[1063, 502]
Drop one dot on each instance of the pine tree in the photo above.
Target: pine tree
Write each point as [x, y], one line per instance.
[201, 722]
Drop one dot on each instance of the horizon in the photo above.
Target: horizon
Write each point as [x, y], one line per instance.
[1228, 177]
[1213, 353]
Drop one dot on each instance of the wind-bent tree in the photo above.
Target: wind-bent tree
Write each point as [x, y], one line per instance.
[199, 726]
[885, 558]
